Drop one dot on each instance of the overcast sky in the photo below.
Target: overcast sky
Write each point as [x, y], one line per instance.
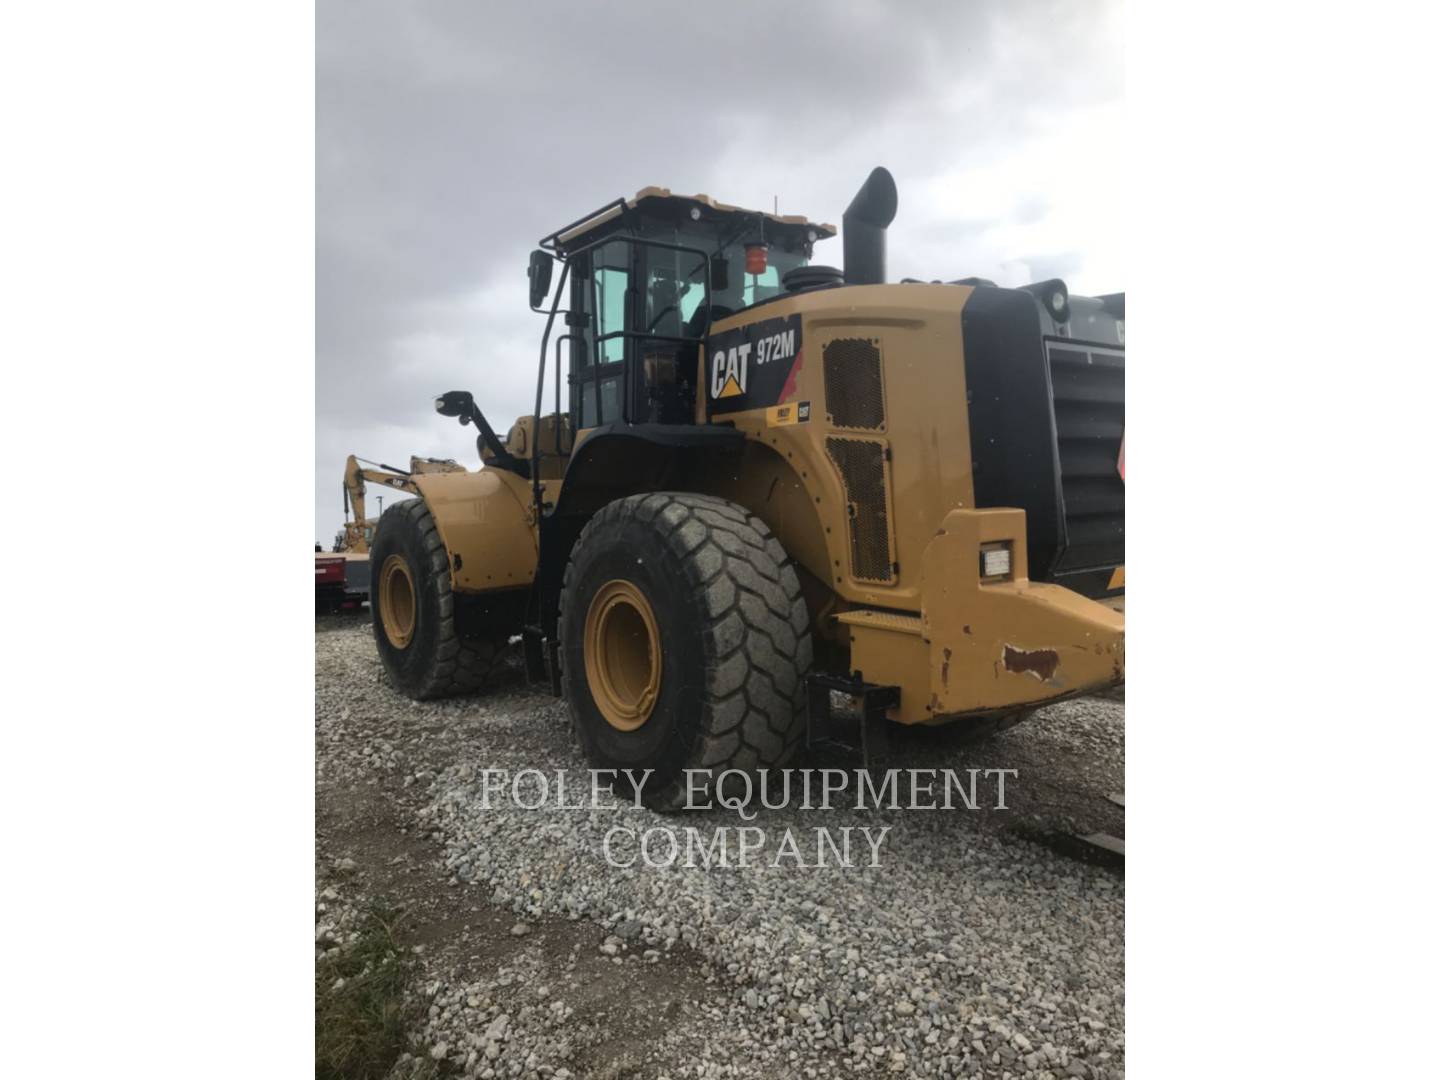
[451, 136]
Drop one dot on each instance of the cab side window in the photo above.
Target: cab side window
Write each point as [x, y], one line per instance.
[598, 352]
[761, 286]
[611, 283]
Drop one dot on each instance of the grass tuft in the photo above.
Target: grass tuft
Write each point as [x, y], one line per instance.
[362, 1024]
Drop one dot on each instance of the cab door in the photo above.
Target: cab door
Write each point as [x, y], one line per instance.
[633, 359]
[604, 299]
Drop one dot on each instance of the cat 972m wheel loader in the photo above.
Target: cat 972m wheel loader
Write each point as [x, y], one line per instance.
[762, 480]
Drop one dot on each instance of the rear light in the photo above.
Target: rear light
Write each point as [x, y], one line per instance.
[995, 560]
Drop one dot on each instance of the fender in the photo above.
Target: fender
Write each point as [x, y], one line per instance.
[487, 514]
[621, 459]
[611, 462]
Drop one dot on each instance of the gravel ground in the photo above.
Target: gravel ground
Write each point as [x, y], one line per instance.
[971, 950]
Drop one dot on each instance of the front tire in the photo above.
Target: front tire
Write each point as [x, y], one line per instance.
[415, 611]
[684, 642]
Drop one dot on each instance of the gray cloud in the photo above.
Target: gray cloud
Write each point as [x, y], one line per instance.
[451, 136]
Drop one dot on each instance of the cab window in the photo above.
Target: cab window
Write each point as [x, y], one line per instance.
[761, 286]
[674, 288]
[597, 353]
[611, 282]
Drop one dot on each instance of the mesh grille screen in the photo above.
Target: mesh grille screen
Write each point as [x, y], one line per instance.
[854, 396]
[862, 468]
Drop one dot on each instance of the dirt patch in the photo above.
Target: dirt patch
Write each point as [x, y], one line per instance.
[616, 1007]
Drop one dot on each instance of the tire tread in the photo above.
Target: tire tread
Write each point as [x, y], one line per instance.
[756, 623]
[462, 664]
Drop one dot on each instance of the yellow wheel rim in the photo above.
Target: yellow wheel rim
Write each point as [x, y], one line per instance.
[397, 601]
[622, 654]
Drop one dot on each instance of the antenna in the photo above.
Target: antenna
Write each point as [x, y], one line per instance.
[777, 205]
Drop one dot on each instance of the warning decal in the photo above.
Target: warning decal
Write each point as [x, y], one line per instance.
[781, 415]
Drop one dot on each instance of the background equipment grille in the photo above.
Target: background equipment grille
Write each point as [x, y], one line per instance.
[854, 393]
[862, 469]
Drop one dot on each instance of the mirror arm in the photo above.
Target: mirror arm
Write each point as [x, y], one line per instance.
[503, 458]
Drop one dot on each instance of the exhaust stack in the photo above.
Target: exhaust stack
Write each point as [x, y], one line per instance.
[863, 228]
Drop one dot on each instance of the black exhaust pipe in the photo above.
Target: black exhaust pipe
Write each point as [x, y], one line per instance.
[863, 228]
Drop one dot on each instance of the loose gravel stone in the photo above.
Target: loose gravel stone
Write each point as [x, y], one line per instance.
[968, 951]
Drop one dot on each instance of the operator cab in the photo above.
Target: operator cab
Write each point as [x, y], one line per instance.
[641, 282]
[646, 278]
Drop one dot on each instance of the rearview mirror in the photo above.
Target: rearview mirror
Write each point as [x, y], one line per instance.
[719, 273]
[455, 403]
[541, 265]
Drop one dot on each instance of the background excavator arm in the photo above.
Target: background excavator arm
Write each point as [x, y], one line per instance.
[357, 474]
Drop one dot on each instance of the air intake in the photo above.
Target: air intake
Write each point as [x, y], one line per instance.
[854, 393]
[811, 277]
[862, 470]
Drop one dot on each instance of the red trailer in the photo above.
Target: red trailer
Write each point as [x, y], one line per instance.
[329, 581]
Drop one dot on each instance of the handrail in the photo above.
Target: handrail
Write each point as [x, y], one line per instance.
[540, 392]
[551, 242]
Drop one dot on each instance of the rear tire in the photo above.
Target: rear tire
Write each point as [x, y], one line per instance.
[706, 586]
[414, 611]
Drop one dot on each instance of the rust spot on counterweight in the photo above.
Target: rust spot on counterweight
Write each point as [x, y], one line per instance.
[1038, 662]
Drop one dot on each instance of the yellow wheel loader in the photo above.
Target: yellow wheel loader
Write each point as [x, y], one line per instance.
[760, 481]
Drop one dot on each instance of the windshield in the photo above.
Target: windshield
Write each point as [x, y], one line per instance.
[675, 280]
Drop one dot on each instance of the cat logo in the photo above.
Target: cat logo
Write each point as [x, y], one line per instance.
[728, 377]
[753, 366]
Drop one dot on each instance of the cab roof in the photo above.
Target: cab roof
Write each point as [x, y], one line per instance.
[658, 203]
